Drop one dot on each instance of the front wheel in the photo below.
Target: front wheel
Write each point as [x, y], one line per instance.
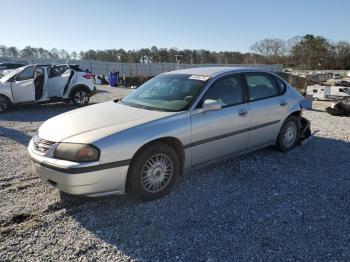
[80, 97]
[153, 172]
[289, 134]
[4, 103]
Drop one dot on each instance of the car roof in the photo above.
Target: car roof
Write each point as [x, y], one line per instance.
[214, 71]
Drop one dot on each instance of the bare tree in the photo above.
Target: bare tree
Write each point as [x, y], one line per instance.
[307, 52]
[262, 47]
[3, 51]
[342, 54]
[13, 51]
[54, 53]
[28, 52]
[74, 55]
[271, 49]
[64, 54]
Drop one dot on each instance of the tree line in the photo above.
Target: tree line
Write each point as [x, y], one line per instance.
[306, 52]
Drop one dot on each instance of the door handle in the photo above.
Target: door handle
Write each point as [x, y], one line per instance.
[283, 103]
[243, 113]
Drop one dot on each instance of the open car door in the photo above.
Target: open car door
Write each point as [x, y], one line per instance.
[58, 81]
[39, 82]
[23, 87]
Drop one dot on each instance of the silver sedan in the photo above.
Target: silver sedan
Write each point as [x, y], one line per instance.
[173, 122]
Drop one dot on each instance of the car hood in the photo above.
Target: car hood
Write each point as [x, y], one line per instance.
[89, 124]
[4, 84]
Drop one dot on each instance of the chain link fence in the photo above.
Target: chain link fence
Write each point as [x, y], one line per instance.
[135, 69]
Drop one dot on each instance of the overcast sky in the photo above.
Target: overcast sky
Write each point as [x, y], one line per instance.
[77, 25]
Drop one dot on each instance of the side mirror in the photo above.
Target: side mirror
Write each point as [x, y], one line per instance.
[211, 105]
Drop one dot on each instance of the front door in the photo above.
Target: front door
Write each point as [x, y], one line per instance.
[23, 88]
[223, 132]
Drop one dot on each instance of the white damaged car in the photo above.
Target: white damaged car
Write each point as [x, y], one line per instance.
[46, 83]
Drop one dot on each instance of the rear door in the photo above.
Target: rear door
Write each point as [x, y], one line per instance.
[23, 88]
[268, 107]
[58, 79]
[225, 131]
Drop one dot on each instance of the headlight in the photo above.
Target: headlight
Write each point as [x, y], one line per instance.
[77, 152]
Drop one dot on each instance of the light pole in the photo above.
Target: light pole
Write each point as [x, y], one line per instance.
[178, 59]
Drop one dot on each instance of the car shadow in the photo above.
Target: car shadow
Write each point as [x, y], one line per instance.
[36, 112]
[102, 91]
[232, 209]
[15, 135]
[317, 110]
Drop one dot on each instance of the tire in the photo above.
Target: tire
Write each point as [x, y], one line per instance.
[289, 135]
[147, 168]
[5, 104]
[80, 97]
[315, 99]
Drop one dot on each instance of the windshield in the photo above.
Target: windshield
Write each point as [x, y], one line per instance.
[173, 92]
[6, 77]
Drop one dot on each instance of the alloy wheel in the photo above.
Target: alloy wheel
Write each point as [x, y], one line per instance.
[290, 134]
[157, 173]
[3, 104]
[81, 97]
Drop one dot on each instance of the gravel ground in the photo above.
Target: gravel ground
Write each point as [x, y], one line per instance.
[262, 206]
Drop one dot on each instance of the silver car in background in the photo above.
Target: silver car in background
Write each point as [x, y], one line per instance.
[175, 121]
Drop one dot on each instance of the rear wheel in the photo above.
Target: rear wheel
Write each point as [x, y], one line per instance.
[289, 135]
[4, 103]
[80, 97]
[153, 172]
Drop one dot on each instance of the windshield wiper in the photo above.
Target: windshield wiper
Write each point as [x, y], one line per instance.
[147, 107]
[130, 104]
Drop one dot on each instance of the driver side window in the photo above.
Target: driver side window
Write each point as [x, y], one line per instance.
[26, 74]
[227, 90]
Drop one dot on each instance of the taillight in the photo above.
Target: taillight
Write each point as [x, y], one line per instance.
[89, 76]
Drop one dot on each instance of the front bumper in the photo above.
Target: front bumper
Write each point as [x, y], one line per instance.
[79, 179]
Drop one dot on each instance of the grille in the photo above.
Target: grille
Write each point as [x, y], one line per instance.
[42, 145]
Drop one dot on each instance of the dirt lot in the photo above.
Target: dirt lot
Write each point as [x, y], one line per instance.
[261, 206]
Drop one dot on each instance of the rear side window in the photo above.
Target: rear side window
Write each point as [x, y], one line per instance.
[227, 90]
[76, 68]
[26, 74]
[58, 70]
[281, 85]
[261, 86]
